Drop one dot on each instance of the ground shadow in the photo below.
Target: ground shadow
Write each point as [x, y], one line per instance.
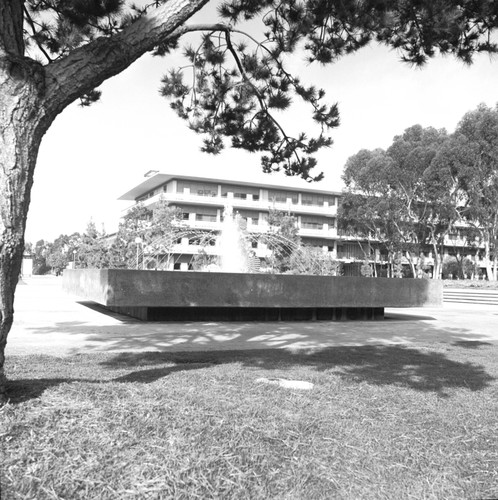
[94, 306]
[395, 316]
[23, 389]
[421, 369]
[470, 344]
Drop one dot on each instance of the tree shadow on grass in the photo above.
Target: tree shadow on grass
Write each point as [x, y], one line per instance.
[470, 344]
[21, 390]
[420, 369]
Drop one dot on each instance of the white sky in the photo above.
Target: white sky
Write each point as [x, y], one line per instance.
[93, 155]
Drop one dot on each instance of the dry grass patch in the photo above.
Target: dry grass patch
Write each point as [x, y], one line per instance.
[381, 422]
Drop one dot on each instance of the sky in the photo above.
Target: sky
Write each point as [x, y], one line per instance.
[91, 156]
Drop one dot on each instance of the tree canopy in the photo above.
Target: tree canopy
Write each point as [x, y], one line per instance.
[426, 185]
[235, 82]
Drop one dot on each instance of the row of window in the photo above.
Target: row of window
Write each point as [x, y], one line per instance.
[243, 192]
[307, 222]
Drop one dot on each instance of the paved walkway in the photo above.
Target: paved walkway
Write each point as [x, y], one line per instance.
[47, 321]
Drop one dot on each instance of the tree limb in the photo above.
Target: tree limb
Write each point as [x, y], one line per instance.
[86, 67]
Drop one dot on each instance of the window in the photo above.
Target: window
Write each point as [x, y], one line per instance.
[349, 251]
[205, 217]
[240, 192]
[312, 199]
[249, 215]
[330, 222]
[146, 196]
[282, 196]
[197, 188]
[205, 214]
[312, 222]
[317, 200]
[311, 225]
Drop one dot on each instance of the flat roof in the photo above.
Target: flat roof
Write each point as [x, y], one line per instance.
[159, 179]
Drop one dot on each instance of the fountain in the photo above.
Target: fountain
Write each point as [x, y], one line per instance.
[228, 292]
[234, 256]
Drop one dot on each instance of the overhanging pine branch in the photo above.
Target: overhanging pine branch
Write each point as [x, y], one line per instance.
[90, 65]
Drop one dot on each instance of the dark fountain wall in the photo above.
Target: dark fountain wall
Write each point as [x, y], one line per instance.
[179, 296]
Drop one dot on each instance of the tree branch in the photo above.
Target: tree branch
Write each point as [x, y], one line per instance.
[33, 29]
[86, 67]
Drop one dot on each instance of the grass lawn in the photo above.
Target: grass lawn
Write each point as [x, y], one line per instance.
[382, 422]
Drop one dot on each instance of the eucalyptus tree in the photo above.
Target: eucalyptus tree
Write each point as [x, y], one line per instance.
[477, 157]
[406, 198]
[55, 52]
[368, 209]
[424, 192]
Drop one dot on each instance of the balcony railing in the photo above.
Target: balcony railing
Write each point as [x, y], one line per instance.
[236, 203]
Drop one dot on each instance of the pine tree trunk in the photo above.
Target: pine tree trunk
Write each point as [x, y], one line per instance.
[22, 124]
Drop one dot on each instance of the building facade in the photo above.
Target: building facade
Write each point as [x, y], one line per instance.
[202, 202]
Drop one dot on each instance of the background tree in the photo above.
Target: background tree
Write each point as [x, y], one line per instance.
[54, 52]
[424, 192]
[457, 268]
[57, 256]
[93, 249]
[40, 265]
[134, 224]
[368, 209]
[310, 260]
[282, 239]
[156, 228]
[407, 198]
[477, 157]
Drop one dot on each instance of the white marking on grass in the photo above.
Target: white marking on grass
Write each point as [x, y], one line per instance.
[286, 384]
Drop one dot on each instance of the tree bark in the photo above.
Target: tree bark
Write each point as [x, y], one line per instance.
[22, 124]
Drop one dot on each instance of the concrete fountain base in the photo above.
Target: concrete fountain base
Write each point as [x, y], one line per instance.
[200, 296]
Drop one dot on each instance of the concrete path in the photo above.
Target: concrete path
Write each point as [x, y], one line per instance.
[49, 322]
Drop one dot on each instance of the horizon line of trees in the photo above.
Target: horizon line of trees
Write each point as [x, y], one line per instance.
[155, 229]
[427, 186]
[140, 227]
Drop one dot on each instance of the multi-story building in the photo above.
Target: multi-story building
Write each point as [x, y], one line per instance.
[202, 202]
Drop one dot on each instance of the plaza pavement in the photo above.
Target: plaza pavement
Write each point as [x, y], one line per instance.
[47, 321]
